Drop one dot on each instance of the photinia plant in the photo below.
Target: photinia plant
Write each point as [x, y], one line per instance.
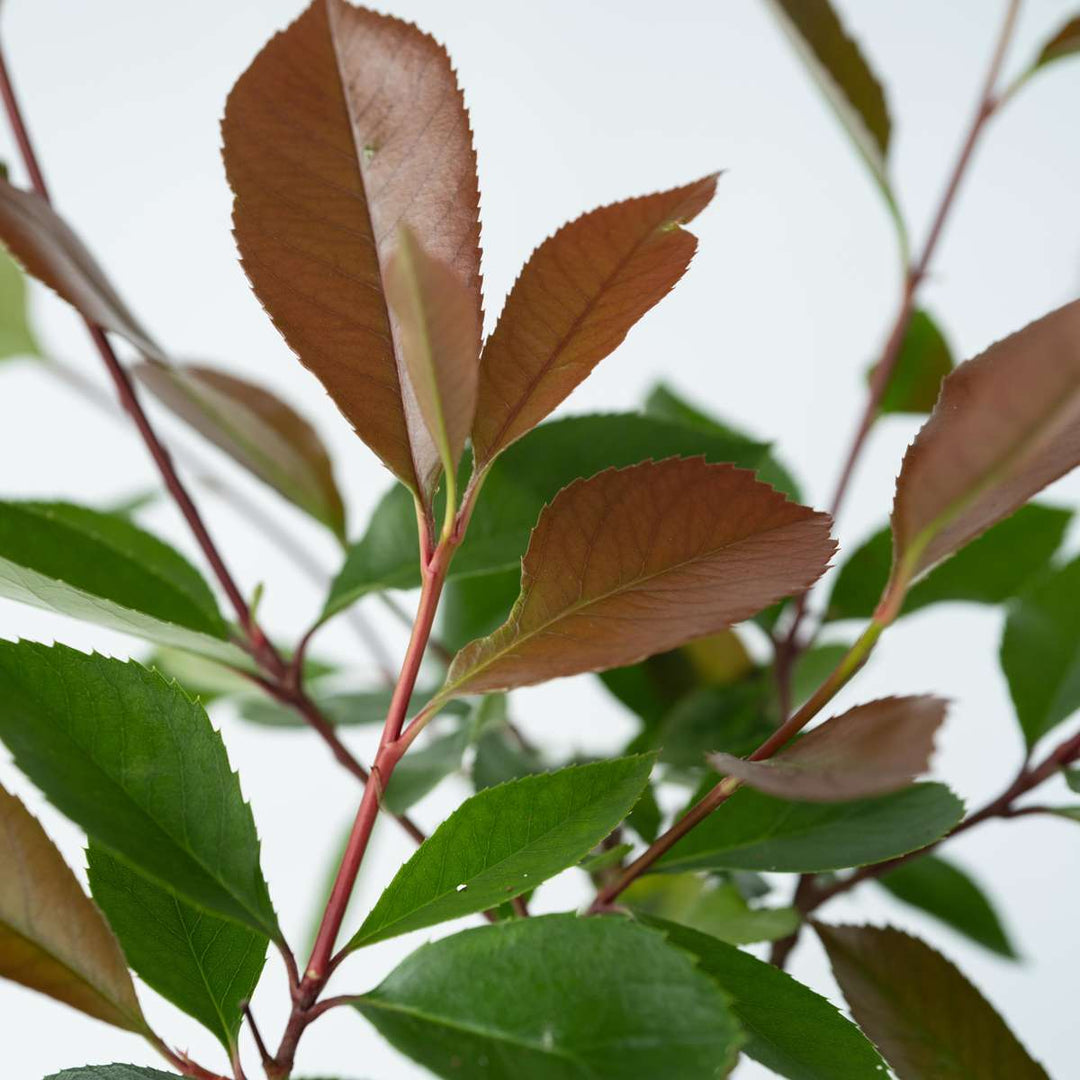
[647, 548]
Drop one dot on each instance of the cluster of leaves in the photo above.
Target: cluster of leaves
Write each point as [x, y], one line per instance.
[627, 545]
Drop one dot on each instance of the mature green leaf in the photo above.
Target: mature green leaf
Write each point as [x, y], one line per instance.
[578, 296]
[1070, 812]
[846, 81]
[758, 832]
[255, 428]
[646, 817]
[439, 339]
[200, 676]
[990, 570]
[346, 127]
[718, 909]
[1006, 424]
[664, 404]
[1040, 652]
[112, 1072]
[523, 480]
[791, 1030]
[135, 762]
[605, 858]
[943, 890]
[925, 359]
[103, 569]
[205, 965]
[1065, 43]
[52, 938]
[869, 750]
[924, 1016]
[50, 251]
[1072, 778]
[504, 841]
[636, 561]
[732, 718]
[17, 337]
[448, 1008]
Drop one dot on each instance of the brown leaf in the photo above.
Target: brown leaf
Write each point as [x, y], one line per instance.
[841, 72]
[50, 251]
[255, 428]
[348, 125]
[1066, 42]
[52, 938]
[576, 299]
[869, 750]
[1006, 424]
[927, 1020]
[439, 335]
[639, 560]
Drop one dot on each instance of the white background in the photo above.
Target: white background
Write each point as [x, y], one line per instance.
[573, 105]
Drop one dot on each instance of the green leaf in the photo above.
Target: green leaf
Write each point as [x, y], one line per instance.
[504, 841]
[200, 676]
[522, 481]
[757, 832]
[205, 965]
[1040, 652]
[946, 892]
[663, 403]
[713, 908]
[16, 336]
[1072, 778]
[925, 359]
[646, 817]
[112, 1072]
[730, 718]
[134, 761]
[605, 859]
[990, 570]
[600, 998]
[791, 1030]
[256, 429]
[924, 1016]
[102, 569]
[52, 938]
[812, 668]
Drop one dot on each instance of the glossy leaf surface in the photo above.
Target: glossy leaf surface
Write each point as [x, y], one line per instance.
[758, 832]
[505, 841]
[576, 299]
[205, 965]
[523, 480]
[446, 1005]
[790, 1029]
[346, 127]
[639, 560]
[134, 761]
[102, 569]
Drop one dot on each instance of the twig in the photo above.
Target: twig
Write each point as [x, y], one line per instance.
[789, 647]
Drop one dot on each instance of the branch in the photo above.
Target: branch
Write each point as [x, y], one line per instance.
[809, 896]
[789, 648]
